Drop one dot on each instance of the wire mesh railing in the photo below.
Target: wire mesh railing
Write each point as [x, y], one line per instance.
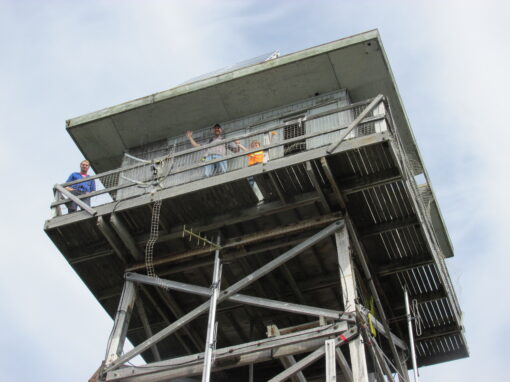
[181, 165]
[423, 199]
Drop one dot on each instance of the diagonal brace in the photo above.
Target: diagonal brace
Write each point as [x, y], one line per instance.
[312, 357]
[243, 299]
[84, 206]
[233, 289]
[355, 123]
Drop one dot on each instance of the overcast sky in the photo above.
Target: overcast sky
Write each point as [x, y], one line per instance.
[61, 59]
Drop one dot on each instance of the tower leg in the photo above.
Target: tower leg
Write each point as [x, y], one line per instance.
[121, 323]
[349, 295]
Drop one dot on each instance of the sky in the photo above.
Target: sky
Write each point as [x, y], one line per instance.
[62, 59]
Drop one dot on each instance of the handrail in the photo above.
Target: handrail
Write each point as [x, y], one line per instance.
[230, 156]
[198, 165]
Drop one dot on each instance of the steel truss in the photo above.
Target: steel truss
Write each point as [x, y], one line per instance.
[335, 329]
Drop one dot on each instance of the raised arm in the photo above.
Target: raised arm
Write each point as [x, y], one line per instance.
[238, 143]
[189, 134]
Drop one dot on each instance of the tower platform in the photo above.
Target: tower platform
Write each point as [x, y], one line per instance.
[342, 152]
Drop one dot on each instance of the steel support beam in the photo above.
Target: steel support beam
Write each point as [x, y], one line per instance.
[362, 256]
[380, 365]
[313, 178]
[239, 298]
[311, 358]
[382, 361]
[233, 356]
[332, 182]
[251, 278]
[111, 238]
[121, 323]
[121, 229]
[349, 295]
[344, 365]
[289, 360]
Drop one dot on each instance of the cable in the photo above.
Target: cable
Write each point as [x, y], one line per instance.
[417, 317]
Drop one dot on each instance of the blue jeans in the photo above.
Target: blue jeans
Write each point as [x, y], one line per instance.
[72, 206]
[215, 168]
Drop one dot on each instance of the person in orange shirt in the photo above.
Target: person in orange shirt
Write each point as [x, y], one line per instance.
[253, 159]
[257, 156]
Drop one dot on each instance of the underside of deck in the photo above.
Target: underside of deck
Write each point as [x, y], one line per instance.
[365, 182]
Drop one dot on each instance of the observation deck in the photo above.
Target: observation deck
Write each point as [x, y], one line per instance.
[336, 149]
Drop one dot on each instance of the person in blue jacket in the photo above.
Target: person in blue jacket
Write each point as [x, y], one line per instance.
[80, 188]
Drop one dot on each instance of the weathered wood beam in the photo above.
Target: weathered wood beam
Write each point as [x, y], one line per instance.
[239, 216]
[202, 225]
[245, 240]
[312, 357]
[253, 352]
[289, 360]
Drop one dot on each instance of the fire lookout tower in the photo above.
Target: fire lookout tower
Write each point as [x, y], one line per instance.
[322, 259]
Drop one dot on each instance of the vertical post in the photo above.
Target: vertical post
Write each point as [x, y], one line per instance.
[411, 335]
[329, 347]
[57, 210]
[211, 324]
[121, 323]
[349, 295]
[250, 371]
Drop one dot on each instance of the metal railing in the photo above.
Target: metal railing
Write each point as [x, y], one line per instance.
[307, 131]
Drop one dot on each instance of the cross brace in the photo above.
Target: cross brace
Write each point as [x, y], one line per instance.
[233, 289]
